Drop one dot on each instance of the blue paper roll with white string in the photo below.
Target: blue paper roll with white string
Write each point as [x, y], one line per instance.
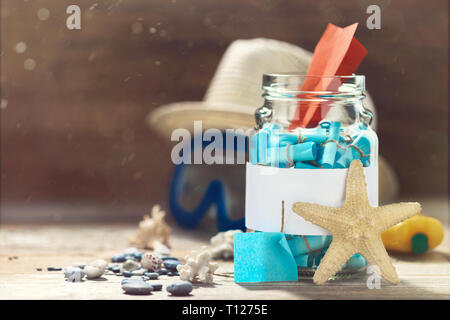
[359, 149]
[330, 148]
[285, 156]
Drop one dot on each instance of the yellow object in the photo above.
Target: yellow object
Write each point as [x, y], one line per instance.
[418, 234]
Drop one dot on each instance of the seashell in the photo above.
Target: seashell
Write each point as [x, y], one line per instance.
[131, 265]
[151, 262]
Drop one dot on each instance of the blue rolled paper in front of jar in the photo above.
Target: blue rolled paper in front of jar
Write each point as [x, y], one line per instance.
[309, 250]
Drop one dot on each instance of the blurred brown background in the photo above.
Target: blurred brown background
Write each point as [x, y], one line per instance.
[73, 127]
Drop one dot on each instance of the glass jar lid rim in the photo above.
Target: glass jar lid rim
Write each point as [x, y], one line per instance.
[304, 75]
[293, 83]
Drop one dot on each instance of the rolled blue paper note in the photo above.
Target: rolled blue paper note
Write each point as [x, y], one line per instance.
[360, 145]
[356, 261]
[263, 257]
[298, 245]
[282, 139]
[362, 126]
[345, 159]
[319, 154]
[317, 135]
[362, 142]
[310, 260]
[305, 151]
[325, 124]
[254, 149]
[277, 157]
[305, 165]
[273, 126]
[301, 260]
[263, 146]
[306, 260]
[283, 156]
[330, 148]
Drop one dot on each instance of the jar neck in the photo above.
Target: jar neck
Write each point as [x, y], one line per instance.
[335, 98]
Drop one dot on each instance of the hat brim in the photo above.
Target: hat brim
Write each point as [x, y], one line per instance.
[172, 116]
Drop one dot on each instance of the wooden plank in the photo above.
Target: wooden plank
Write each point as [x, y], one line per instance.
[422, 277]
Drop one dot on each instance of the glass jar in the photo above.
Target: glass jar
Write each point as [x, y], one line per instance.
[310, 137]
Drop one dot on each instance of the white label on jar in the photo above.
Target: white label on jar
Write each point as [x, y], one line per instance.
[267, 187]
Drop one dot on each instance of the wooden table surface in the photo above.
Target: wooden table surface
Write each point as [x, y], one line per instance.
[422, 277]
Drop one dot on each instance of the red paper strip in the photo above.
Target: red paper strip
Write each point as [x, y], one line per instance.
[336, 53]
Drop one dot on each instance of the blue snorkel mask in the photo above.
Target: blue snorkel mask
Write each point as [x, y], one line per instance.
[202, 195]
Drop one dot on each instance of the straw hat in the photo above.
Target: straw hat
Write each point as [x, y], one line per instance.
[235, 91]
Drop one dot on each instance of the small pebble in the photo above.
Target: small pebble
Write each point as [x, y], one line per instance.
[128, 280]
[119, 258]
[162, 271]
[131, 257]
[127, 274]
[54, 269]
[157, 286]
[38, 269]
[115, 269]
[93, 272]
[151, 262]
[172, 274]
[138, 256]
[152, 275]
[182, 288]
[74, 274]
[137, 288]
[111, 266]
[130, 265]
[169, 258]
[100, 264]
[171, 264]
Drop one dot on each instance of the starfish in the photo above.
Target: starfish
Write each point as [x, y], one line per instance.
[356, 227]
